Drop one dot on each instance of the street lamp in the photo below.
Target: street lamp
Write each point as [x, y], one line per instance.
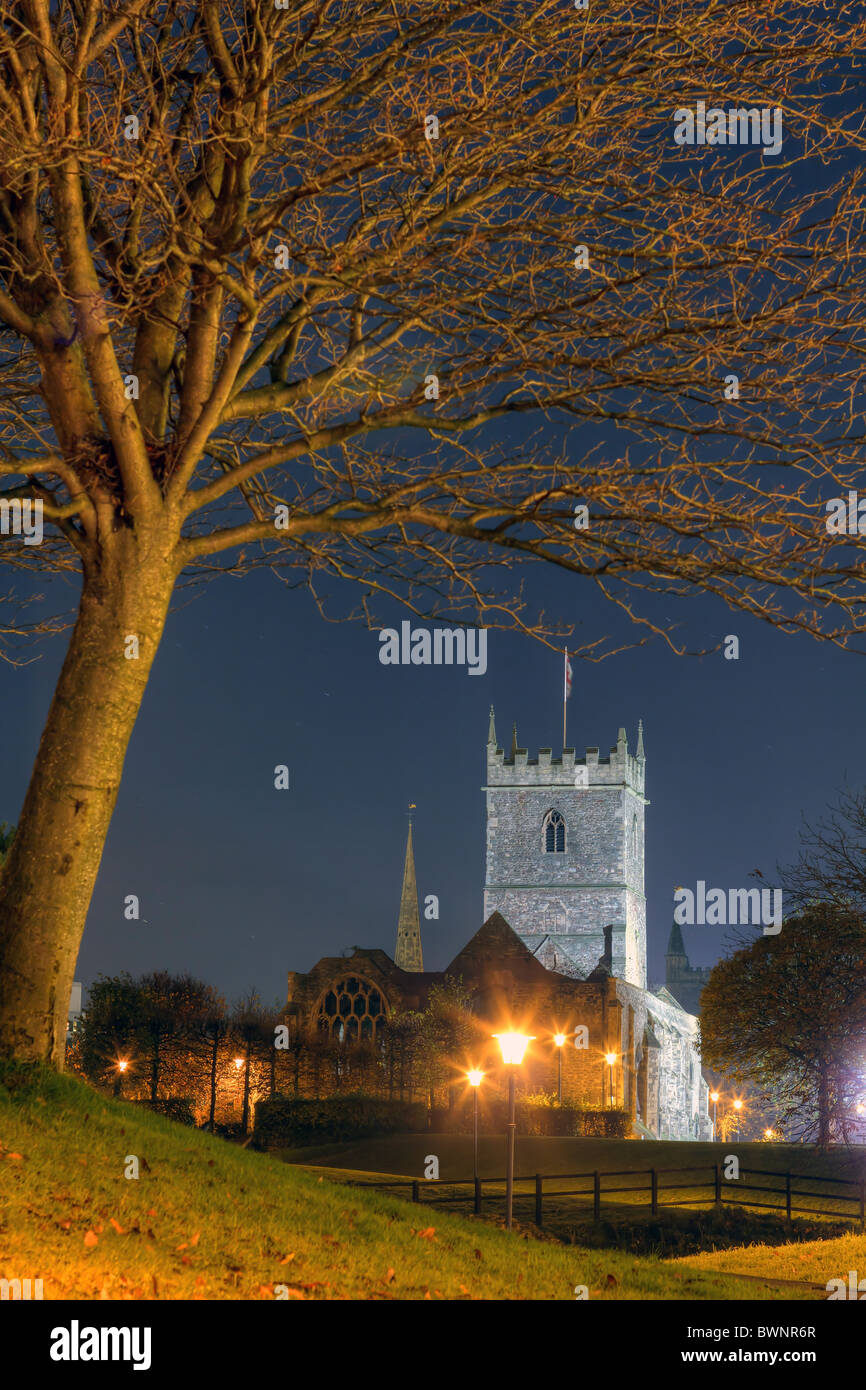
[475, 1078]
[738, 1105]
[714, 1097]
[610, 1058]
[559, 1041]
[118, 1082]
[513, 1048]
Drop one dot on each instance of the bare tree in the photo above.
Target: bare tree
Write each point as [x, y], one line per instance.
[831, 865]
[382, 292]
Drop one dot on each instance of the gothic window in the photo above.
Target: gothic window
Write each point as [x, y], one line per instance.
[351, 1009]
[634, 838]
[554, 833]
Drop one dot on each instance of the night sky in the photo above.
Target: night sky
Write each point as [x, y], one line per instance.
[240, 882]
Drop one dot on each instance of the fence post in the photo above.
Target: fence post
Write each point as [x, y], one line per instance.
[654, 1180]
[596, 1196]
[718, 1174]
[415, 1194]
[477, 1196]
[538, 1199]
[788, 1195]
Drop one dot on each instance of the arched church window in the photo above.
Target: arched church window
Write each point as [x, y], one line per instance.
[353, 1008]
[554, 833]
[634, 837]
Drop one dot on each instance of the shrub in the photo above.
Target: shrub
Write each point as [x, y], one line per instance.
[290, 1122]
[177, 1108]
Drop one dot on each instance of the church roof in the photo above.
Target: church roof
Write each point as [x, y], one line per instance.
[497, 939]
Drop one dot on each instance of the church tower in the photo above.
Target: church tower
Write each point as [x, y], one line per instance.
[565, 854]
[408, 954]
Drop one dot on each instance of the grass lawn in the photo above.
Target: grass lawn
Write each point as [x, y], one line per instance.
[818, 1261]
[208, 1220]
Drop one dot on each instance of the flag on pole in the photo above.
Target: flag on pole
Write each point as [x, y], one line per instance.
[567, 677]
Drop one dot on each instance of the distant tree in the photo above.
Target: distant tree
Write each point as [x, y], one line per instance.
[113, 1028]
[787, 1013]
[251, 1030]
[831, 866]
[446, 1033]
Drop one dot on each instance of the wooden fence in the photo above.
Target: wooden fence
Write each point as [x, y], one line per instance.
[715, 1189]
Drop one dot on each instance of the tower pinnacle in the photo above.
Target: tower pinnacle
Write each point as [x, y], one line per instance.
[408, 954]
[491, 731]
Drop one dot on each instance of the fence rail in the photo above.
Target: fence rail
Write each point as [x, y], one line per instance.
[724, 1191]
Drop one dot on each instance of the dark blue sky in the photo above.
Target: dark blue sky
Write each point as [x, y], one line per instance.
[239, 882]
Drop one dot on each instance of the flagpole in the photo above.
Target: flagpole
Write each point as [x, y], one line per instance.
[564, 692]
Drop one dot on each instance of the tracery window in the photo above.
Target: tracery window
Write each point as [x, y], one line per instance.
[352, 1009]
[553, 832]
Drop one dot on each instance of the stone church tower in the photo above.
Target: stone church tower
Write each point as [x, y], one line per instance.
[565, 854]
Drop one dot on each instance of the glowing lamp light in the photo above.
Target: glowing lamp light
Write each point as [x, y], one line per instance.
[475, 1077]
[714, 1096]
[239, 1061]
[513, 1047]
[738, 1105]
[610, 1058]
[559, 1039]
[121, 1066]
[768, 1134]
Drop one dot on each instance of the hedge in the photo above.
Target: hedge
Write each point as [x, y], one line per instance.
[291, 1122]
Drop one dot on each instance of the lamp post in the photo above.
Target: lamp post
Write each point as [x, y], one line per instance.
[513, 1047]
[610, 1058]
[118, 1083]
[559, 1041]
[475, 1077]
[738, 1105]
[714, 1097]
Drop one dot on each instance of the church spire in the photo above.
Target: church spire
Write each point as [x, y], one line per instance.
[491, 731]
[640, 753]
[513, 740]
[408, 954]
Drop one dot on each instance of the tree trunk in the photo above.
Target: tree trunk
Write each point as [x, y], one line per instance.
[213, 1079]
[823, 1105]
[154, 1065]
[49, 875]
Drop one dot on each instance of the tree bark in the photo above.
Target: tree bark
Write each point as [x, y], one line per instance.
[49, 875]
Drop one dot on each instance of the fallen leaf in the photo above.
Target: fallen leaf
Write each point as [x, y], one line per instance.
[427, 1294]
[195, 1238]
[151, 1211]
[117, 1226]
[65, 1225]
[428, 1234]
[91, 1238]
[286, 1258]
[611, 1281]
[18, 1156]
[182, 1246]
[389, 1276]
[185, 1260]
